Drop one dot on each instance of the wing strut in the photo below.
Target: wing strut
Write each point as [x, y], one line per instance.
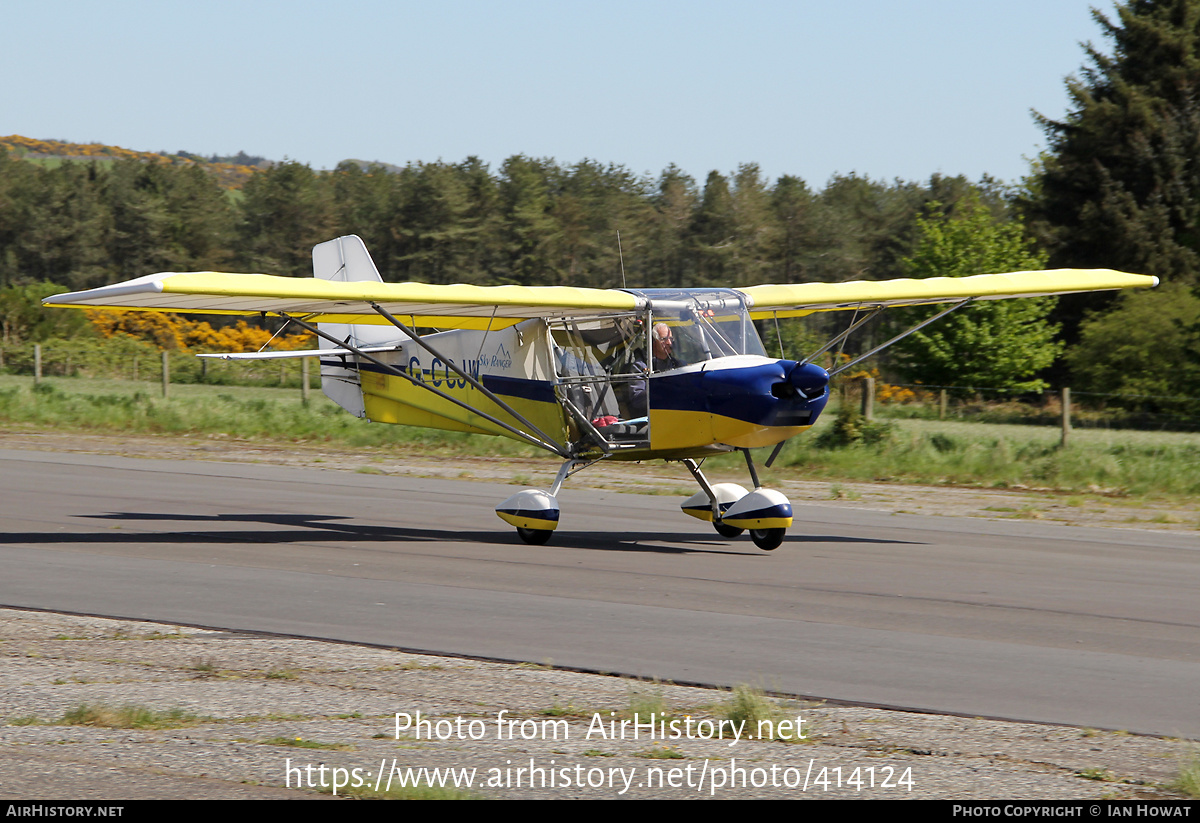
[898, 337]
[548, 446]
[857, 324]
[853, 327]
[416, 338]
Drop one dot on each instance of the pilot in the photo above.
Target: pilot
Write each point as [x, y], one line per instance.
[663, 358]
[661, 346]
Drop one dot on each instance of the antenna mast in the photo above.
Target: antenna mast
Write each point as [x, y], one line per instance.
[621, 255]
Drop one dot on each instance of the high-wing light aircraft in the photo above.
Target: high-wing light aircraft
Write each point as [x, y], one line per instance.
[588, 374]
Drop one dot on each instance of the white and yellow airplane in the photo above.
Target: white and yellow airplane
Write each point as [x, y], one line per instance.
[588, 374]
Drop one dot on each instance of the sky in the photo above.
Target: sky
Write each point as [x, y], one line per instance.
[879, 88]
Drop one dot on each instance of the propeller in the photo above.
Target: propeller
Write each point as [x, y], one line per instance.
[807, 380]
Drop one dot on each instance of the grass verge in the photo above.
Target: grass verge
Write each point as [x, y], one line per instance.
[1187, 782]
[128, 717]
[304, 743]
[1106, 462]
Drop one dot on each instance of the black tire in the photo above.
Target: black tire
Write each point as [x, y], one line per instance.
[537, 537]
[767, 539]
[726, 531]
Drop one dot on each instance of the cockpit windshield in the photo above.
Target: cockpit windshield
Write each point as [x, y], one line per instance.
[692, 326]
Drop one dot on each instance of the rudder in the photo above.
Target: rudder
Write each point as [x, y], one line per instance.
[347, 260]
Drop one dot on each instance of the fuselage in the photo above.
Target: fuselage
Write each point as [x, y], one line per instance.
[597, 385]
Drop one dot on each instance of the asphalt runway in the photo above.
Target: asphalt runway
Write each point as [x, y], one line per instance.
[1009, 619]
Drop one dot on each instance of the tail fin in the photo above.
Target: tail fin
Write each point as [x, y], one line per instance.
[347, 259]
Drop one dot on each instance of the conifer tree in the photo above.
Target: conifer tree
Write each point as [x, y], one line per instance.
[674, 204]
[1120, 185]
[713, 233]
[526, 198]
[286, 211]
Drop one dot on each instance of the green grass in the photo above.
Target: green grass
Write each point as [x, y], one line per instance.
[127, 717]
[750, 705]
[646, 700]
[1096, 461]
[1188, 781]
[1007, 456]
[261, 414]
[658, 752]
[303, 743]
[569, 710]
[25, 720]
[205, 667]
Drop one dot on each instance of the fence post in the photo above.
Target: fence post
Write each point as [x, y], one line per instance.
[868, 398]
[304, 379]
[37, 363]
[166, 373]
[1066, 414]
[942, 405]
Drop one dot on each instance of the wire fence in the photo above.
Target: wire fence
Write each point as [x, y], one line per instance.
[1083, 409]
[132, 360]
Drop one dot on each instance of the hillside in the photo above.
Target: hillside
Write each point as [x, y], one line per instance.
[230, 172]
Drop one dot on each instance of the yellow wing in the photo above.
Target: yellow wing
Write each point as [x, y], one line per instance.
[805, 298]
[331, 301]
[478, 307]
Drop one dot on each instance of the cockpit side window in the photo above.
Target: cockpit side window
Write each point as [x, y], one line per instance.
[601, 367]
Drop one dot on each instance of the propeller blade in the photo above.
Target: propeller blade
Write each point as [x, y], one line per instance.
[775, 453]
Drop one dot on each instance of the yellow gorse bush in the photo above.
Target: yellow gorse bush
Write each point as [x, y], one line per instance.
[174, 331]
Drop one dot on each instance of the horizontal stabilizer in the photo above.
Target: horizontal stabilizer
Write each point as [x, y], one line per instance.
[286, 355]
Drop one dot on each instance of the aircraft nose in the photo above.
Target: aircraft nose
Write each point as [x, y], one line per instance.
[810, 379]
[806, 380]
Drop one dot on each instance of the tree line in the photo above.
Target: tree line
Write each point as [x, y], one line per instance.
[532, 221]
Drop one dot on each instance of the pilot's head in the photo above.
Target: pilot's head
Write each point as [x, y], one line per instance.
[662, 341]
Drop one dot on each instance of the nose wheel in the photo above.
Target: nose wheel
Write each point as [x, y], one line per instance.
[767, 539]
[765, 513]
[534, 537]
[726, 531]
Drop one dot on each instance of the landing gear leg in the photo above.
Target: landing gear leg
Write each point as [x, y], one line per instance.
[565, 471]
[750, 467]
[712, 502]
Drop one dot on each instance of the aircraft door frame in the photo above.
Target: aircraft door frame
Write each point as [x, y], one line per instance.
[600, 366]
